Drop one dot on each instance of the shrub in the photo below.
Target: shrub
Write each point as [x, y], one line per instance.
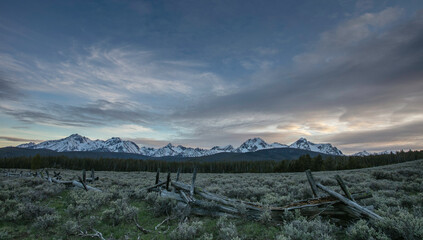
[227, 230]
[362, 231]
[89, 222]
[163, 206]
[151, 197]
[138, 194]
[70, 227]
[82, 202]
[265, 216]
[206, 236]
[242, 209]
[307, 230]
[119, 212]
[385, 175]
[186, 231]
[402, 225]
[27, 211]
[46, 221]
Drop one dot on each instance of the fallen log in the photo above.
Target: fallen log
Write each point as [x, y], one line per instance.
[80, 185]
[215, 207]
[344, 188]
[205, 212]
[315, 202]
[155, 186]
[187, 199]
[213, 197]
[171, 195]
[353, 205]
[312, 183]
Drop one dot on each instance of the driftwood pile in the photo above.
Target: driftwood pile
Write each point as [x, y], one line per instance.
[326, 202]
[57, 178]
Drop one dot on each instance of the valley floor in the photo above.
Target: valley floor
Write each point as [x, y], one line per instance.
[32, 208]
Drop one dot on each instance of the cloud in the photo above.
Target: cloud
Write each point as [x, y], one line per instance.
[8, 90]
[401, 136]
[16, 139]
[264, 51]
[115, 73]
[373, 80]
[98, 113]
[380, 72]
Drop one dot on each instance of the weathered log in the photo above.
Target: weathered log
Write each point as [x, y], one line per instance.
[171, 195]
[194, 176]
[92, 235]
[158, 225]
[344, 187]
[157, 176]
[91, 179]
[215, 206]
[84, 175]
[155, 186]
[78, 184]
[83, 183]
[316, 202]
[213, 197]
[206, 212]
[48, 176]
[312, 183]
[167, 181]
[92, 175]
[55, 180]
[185, 197]
[354, 205]
[177, 174]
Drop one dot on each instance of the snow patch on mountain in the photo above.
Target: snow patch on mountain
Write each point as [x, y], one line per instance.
[218, 149]
[366, 153]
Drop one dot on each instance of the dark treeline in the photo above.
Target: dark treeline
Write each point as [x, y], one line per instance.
[304, 162]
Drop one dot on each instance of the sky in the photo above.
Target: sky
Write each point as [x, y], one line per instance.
[206, 73]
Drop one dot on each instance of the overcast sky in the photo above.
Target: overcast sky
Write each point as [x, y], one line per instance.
[206, 73]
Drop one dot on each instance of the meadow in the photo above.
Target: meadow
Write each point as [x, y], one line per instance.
[33, 208]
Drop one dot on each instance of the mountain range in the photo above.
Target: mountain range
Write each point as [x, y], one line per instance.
[78, 143]
[366, 153]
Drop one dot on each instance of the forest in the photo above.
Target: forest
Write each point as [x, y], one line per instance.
[317, 163]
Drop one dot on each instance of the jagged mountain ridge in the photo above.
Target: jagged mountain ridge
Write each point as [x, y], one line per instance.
[366, 153]
[327, 148]
[76, 142]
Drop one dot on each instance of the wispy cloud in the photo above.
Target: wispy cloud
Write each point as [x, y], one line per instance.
[8, 89]
[118, 73]
[16, 139]
[98, 113]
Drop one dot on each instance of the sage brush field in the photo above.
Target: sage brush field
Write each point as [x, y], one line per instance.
[32, 208]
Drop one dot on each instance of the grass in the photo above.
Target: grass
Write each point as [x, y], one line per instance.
[397, 196]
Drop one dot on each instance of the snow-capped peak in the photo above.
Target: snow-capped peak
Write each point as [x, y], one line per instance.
[366, 153]
[76, 142]
[325, 148]
[252, 145]
[362, 154]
